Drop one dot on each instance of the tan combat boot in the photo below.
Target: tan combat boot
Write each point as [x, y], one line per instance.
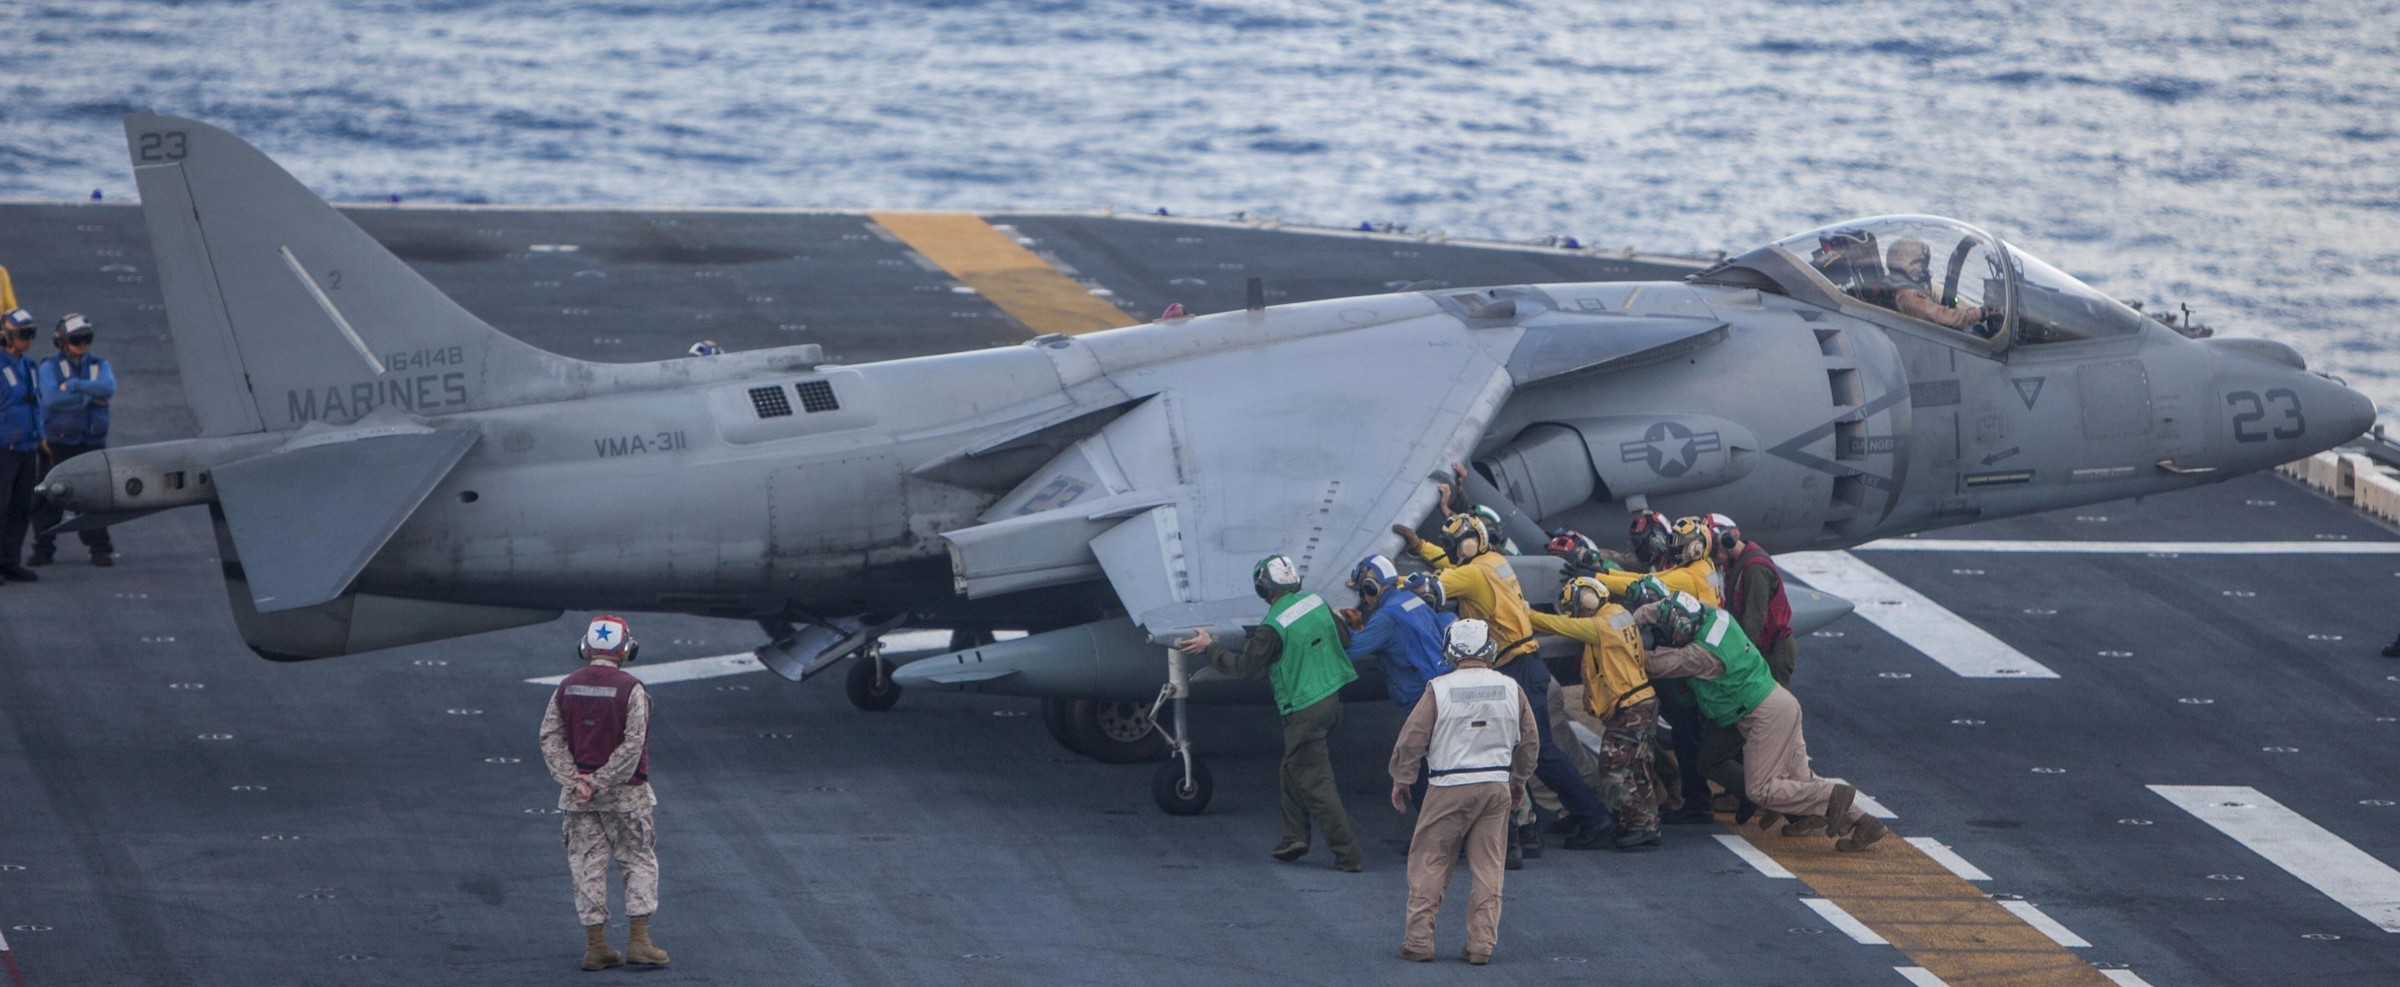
[638, 949]
[596, 954]
[1862, 835]
[1837, 810]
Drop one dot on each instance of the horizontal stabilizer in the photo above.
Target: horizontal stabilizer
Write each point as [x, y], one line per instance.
[353, 622]
[306, 518]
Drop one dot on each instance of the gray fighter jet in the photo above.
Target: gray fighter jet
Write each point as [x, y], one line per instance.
[385, 468]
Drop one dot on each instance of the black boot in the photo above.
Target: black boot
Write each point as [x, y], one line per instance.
[1516, 854]
[2392, 650]
[1529, 840]
[1592, 834]
[1688, 815]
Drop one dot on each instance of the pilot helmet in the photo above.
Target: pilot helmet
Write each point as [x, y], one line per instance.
[1274, 576]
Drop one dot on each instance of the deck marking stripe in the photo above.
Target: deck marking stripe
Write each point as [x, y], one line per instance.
[16, 978]
[1750, 854]
[1949, 858]
[689, 669]
[1839, 919]
[1918, 976]
[2133, 547]
[2034, 916]
[1915, 619]
[1003, 272]
[2124, 978]
[2287, 839]
[1944, 925]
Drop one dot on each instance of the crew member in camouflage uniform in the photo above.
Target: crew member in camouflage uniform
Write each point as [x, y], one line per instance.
[595, 738]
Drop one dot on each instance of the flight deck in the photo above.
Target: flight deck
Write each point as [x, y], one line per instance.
[2136, 742]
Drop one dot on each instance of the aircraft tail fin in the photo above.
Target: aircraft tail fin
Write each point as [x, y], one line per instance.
[284, 312]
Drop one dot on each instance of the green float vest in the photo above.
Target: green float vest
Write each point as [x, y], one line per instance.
[1746, 682]
[1313, 665]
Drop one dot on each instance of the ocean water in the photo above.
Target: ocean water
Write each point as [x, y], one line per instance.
[2242, 158]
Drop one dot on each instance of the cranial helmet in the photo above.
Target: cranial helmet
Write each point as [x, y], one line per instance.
[1461, 527]
[1573, 546]
[18, 320]
[1644, 592]
[72, 327]
[1468, 640]
[1679, 619]
[608, 636]
[1428, 587]
[1274, 576]
[1375, 571]
[1723, 532]
[1692, 539]
[1571, 596]
[705, 347]
[1652, 536]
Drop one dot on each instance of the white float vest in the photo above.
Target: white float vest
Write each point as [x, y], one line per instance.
[1475, 727]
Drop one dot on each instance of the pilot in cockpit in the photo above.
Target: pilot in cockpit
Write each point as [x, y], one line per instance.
[1911, 290]
[1848, 258]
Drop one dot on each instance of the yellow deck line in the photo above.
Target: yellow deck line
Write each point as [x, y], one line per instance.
[1004, 273]
[1937, 919]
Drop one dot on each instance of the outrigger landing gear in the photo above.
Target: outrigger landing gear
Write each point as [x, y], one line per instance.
[1182, 785]
[869, 682]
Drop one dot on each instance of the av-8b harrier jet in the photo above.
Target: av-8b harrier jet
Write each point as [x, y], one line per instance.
[385, 468]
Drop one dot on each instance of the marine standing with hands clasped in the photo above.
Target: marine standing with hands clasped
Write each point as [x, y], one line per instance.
[595, 740]
[77, 386]
[1474, 729]
[20, 442]
[1299, 648]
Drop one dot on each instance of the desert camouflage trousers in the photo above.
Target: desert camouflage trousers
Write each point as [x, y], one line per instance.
[591, 839]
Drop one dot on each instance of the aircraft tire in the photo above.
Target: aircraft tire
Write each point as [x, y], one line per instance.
[1058, 717]
[864, 691]
[1173, 797]
[1115, 731]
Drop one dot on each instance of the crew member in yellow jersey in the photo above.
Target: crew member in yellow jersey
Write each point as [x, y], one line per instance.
[1618, 704]
[1694, 570]
[1484, 587]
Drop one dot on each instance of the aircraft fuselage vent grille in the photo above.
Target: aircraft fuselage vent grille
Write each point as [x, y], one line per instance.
[771, 401]
[816, 396]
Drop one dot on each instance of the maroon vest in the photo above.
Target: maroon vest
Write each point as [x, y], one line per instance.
[1779, 609]
[592, 704]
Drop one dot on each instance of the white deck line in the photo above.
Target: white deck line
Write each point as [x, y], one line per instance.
[2048, 926]
[1910, 616]
[2124, 978]
[1918, 976]
[687, 670]
[1754, 856]
[1943, 855]
[1848, 923]
[2133, 547]
[2305, 850]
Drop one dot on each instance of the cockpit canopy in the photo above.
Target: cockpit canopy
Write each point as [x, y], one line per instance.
[1933, 271]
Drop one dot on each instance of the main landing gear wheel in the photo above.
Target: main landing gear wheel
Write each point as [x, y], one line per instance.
[1114, 731]
[1058, 717]
[1177, 796]
[869, 683]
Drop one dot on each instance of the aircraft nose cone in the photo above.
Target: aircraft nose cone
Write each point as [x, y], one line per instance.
[2348, 413]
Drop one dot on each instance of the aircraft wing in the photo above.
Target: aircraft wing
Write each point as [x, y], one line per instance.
[1312, 442]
